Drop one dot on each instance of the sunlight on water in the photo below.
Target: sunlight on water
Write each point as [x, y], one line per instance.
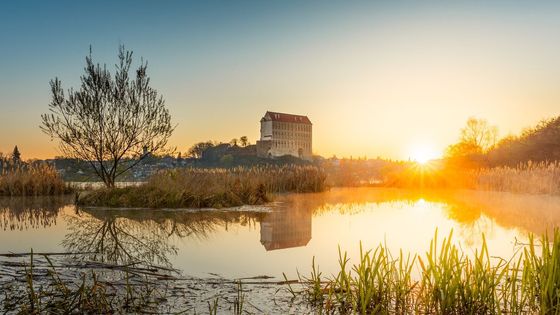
[299, 227]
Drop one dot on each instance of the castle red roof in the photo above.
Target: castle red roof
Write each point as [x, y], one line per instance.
[274, 116]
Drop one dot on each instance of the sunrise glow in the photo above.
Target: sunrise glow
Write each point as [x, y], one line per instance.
[214, 147]
[423, 154]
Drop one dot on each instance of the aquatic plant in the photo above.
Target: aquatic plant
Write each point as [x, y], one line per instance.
[541, 274]
[448, 281]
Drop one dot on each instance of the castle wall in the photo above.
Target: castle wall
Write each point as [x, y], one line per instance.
[280, 138]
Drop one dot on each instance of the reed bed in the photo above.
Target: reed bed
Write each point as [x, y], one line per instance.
[525, 178]
[449, 281]
[535, 178]
[211, 188]
[32, 180]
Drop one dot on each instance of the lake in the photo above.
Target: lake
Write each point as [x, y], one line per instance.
[284, 238]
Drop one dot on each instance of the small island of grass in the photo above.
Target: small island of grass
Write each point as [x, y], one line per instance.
[210, 188]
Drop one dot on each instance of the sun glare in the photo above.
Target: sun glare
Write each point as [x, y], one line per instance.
[423, 154]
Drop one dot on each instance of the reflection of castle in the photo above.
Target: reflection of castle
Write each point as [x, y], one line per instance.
[285, 228]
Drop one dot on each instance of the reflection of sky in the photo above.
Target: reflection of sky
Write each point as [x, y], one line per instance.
[341, 217]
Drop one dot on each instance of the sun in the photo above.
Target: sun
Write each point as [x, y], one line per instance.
[423, 154]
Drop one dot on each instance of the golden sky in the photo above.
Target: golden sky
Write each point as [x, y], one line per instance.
[375, 79]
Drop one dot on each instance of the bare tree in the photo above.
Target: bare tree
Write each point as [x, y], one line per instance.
[109, 120]
[478, 132]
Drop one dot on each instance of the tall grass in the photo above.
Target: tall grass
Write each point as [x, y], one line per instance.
[529, 178]
[536, 178]
[211, 188]
[447, 282]
[31, 180]
[541, 275]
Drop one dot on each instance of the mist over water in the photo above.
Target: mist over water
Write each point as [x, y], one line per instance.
[297, 227]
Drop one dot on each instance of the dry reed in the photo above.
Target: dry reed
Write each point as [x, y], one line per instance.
[533, 178]
[211, 188]
[32, 180]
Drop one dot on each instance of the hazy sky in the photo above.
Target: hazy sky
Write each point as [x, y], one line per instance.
[376, 78]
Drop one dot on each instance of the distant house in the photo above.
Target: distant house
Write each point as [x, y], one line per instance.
[285, 134]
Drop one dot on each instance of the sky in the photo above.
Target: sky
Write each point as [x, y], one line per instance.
[376, 78]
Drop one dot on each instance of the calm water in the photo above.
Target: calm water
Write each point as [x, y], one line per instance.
[299, 227]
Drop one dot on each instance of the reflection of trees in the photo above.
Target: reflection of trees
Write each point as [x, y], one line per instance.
[22, 213]
[463, 212]
[533, 213]
[351, 200]
[117, 240]
[142, 236]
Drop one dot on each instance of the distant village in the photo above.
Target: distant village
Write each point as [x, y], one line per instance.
[284, 139]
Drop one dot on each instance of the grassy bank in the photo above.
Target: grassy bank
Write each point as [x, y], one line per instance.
[32, 180]
[210, 188]
[450, 282]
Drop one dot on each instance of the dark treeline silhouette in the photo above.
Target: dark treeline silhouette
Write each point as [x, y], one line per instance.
[538, 144]
[235, 153]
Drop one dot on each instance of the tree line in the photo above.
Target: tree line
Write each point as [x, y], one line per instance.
[478, 145]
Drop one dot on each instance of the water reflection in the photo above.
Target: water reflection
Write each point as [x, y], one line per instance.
[23, 213]
[237, 243]
[286, 227]
[536, 214]
[133, 236]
